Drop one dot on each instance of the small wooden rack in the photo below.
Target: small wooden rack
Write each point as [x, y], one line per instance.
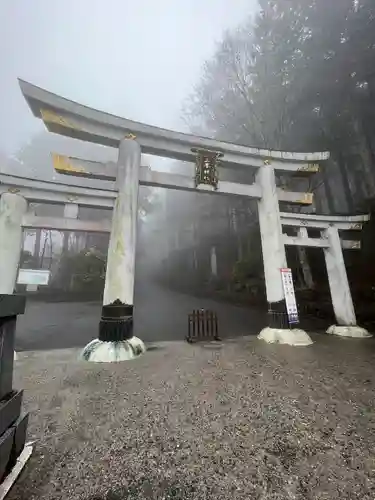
[202, 325]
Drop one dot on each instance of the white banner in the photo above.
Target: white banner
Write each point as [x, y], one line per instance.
[290, 297]
[33, 277]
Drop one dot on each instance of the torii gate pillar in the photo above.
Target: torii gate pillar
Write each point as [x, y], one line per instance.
[12, 209]
[340, 290]
[116, 341]
[274, 259]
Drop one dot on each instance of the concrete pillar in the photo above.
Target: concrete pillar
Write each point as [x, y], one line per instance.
[213, 258]
[116, 341]
[340, 290]
[119, 283]
[274, 259]
[12, 209]
[338, 280]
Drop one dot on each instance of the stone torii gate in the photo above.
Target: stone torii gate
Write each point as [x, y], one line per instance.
[16, 192]
[131, 138]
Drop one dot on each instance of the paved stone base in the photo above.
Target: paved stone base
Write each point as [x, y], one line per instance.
[99, 351]
[291, 337]
[349, 331]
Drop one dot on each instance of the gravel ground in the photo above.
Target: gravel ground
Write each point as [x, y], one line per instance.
[238, 420]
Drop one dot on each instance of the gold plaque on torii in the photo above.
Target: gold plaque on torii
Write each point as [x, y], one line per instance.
[206, 165]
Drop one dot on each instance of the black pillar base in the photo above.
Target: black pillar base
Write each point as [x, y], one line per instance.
[116, 323]
[277, 315]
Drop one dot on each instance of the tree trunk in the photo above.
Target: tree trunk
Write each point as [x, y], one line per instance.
[38, 234]
[345, 181]
[65, 244]
[328, 190]
[305, 267]
[366, 157]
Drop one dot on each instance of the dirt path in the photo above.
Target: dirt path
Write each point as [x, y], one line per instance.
[160, 314]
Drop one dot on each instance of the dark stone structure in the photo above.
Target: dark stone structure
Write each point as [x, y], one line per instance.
[278, 316]
[116, 323]
[13, 425]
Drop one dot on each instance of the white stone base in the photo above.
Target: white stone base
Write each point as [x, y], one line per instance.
[355, 332]
[110, 352]
[290, 337]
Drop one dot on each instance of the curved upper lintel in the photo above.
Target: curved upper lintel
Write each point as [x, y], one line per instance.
[71, 119]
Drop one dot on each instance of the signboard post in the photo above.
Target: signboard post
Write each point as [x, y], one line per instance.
[290, 297]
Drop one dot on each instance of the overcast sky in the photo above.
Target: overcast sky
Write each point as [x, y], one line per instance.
[138, 59]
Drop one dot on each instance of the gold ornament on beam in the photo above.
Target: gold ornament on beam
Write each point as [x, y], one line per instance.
[206, 164]
[130, 135]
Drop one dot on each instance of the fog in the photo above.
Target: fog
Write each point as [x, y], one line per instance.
[138, 59]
